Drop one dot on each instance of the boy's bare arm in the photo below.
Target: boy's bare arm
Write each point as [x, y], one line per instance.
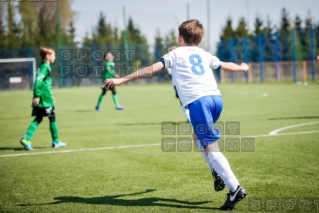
[232, 67]
[145, 72]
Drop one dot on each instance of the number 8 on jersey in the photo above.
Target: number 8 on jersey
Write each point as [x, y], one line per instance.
[197, 67]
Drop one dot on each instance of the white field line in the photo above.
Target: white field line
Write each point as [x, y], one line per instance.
[136, 146]
[79, 150]
[274, 132]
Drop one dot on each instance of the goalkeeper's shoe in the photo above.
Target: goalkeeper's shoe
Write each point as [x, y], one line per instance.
[233, 198]
[219, 184]
[26, 144]
[57, 144]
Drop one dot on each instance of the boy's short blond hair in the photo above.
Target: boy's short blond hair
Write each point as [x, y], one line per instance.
[44, 51]
[192, 31]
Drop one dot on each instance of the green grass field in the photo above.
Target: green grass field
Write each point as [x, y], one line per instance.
[114, 161]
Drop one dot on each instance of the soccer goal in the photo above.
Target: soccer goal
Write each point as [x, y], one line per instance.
[17, 73]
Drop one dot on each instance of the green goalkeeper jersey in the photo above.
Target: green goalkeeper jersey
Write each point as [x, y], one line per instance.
[43, 86]
[109, 71]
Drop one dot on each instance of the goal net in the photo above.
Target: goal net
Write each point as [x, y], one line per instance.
[17, 73]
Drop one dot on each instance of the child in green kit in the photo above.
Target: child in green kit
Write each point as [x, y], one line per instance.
[109, 72]
[43, 101]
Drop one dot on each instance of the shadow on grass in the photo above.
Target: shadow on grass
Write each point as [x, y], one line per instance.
[11, 148]
[291, 118]
[116, 201]
[21, 149]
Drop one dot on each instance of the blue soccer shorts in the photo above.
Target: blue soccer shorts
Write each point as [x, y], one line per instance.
[204, 112]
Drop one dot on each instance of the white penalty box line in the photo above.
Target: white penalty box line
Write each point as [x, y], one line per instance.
[138, 145]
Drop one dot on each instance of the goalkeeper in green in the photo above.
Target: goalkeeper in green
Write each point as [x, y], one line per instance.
[43, 101]
[109, 72]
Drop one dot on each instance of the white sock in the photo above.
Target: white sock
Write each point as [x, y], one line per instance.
[186, 113]
[202, 150]
[222, 167]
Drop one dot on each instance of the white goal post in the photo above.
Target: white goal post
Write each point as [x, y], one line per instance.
[17, 79]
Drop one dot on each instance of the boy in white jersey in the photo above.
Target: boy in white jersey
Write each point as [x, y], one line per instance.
[219, 184]
[197, 89]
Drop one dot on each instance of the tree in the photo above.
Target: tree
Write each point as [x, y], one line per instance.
[39, 22]
[306, 37]
[268, 28]
[265, 32]
[71, 35]
[316, 36]
[44, 28]
[300, 40]
[86, 40]
[138, 42]
[223, 48]
[228, 32]
[103, 33]
[308, 20]
[159, 51]
[170, 40]
[258, 26]
[28, 12]
[285, 20]
[134, 34]
[254, 40]
[284, 37]
[159, 46]
[115, 35]
[268, 41]
[303, 37]
[241, 30]
[2, 28]
[298, 23]
[13, 30]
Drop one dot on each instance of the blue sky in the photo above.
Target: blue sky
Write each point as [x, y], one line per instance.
[168, 14]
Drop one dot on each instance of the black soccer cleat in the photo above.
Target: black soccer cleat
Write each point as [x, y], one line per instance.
[233, 198]
[219, 184]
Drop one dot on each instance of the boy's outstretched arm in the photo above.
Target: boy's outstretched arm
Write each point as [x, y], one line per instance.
[145, 72]
[229, 66]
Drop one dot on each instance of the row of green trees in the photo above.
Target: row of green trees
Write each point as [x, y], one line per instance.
[32, 24]
[106, 35]
[289, 33]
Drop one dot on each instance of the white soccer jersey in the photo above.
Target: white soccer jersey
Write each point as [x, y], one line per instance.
[191, 72]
